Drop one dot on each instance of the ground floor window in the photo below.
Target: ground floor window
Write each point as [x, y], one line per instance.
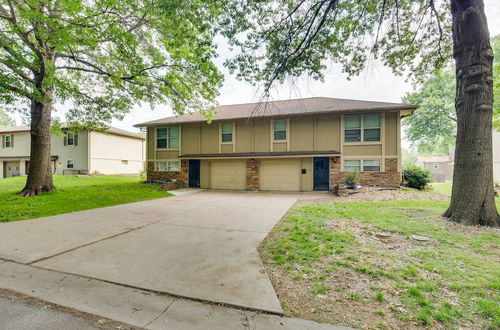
[362, 165]
[168, 166]
[70, 163]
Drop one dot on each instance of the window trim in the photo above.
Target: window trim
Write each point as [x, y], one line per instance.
[362, 128]
[72, 164]
[362, 164]
[9, 136]
[167, 138]
[168, 161]
[287, 131]
[72, 140]
[221, 125]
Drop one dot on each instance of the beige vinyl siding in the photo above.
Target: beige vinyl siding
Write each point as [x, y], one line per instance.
[327, 132]
[151, 143]
[167, 154]
[243, 136]
[226, 148]
[210, 138]
[191, 138]
[205, 174]
[306, 179]
[391, 133]
[108, 151]
[363, 150]
[280, 174]
[301, 134]
[228, 174]
[261, 136]
[279, 146]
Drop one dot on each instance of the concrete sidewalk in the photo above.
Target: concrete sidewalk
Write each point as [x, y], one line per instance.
[136, 307]
[200, 246]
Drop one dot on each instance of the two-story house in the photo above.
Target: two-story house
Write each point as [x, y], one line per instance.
[112, 152]
[291, 145]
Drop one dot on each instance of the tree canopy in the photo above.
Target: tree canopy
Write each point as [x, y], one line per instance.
[432, 128]
[102, 57]
[287, 38]
[5, 119]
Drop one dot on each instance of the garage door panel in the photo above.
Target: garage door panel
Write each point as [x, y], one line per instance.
[227, 175]
[281, 175]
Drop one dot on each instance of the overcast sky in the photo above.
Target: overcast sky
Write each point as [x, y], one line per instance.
[377, 83]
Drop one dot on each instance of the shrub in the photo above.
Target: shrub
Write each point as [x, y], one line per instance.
[144, 174]
[416, 177]
[352, 178]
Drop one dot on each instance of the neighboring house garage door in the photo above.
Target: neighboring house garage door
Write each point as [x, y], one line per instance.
[280, 174]
[228, 174]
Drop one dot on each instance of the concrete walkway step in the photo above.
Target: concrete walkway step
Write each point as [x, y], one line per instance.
[138, 308]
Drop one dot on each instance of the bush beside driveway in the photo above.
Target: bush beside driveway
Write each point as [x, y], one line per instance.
[73, 194]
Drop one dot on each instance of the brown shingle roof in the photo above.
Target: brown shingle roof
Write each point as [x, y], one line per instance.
[110, 130]
[313, 105]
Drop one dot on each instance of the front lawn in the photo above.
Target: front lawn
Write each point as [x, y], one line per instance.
[327, 264]
[73, 194]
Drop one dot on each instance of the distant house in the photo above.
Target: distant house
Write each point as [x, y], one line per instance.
[114, 152]
[441, 167]
[496, 156]
[289, 145]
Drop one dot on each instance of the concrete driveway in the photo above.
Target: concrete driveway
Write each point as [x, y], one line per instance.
[200, 245]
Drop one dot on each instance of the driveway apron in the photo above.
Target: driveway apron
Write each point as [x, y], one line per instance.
[201, 245]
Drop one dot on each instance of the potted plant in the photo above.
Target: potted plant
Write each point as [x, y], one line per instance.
[352, 180]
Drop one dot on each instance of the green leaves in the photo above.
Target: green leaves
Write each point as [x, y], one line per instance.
[105, 57]
[284, 38]
[432, 127]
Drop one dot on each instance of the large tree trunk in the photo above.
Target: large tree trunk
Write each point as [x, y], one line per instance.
[472, 200]
[40, 170]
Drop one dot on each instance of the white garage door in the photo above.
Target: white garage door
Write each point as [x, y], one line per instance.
[280, 174]
[228, 174]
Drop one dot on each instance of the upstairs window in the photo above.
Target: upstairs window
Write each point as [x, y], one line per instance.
[227, 132]
[71, 139]
[279, 130]
[167, 138]
[362, 128]
[8, 141]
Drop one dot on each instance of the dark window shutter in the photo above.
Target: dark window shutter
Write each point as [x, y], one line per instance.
[65, 139]
[75, 140]
[12, 141]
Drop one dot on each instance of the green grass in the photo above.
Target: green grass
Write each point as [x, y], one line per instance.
[453, 279]
[73, 194]
[443, 188]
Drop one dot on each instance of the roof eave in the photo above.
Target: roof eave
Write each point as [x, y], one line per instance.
[154, 123]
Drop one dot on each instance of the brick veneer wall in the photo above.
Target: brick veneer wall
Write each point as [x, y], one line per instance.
[252, 166]
[181, 176]
[389, 178]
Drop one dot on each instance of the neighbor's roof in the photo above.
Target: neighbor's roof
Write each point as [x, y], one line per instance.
[110, 130]
[313, 105]
[434, 159]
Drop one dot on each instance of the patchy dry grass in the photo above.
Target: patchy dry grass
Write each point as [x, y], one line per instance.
[328, 265]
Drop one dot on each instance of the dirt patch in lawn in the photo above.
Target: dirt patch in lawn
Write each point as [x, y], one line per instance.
[360, 278]
[372, 194]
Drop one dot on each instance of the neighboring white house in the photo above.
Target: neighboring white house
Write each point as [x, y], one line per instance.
[114, 152]
[496, 156]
